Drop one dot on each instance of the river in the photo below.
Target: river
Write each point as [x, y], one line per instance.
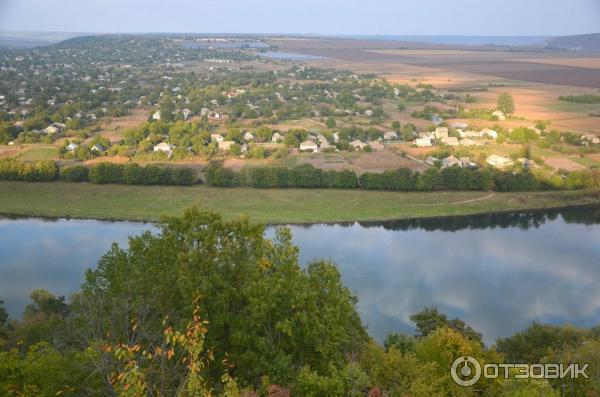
[497, 272]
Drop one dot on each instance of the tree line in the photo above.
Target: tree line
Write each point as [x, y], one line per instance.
[402, 179]
[101, 173]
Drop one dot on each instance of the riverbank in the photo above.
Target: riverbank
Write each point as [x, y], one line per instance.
[150, 203]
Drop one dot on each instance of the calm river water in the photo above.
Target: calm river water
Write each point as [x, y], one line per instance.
[497, 272]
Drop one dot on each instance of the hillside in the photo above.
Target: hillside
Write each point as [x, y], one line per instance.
[583, 42]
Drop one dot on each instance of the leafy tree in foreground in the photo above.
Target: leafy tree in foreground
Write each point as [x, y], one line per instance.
[267, 315]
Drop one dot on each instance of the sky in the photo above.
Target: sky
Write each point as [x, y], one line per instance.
[334, 17]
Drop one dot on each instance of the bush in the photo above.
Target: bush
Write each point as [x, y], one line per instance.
[134, 174]
[39, 171]
[77, 173]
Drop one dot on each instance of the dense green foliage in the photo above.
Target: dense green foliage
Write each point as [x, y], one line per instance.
[451, 178]
[130, 174]
[506, 103]
[134, 174]
[40, 171]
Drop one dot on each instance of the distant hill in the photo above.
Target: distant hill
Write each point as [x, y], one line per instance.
[32, 39]
[582, 42]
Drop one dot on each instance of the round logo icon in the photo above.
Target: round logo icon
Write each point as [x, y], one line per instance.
[465, 371]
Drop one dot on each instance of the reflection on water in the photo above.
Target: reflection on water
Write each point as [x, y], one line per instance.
[53, 254]
[497, 272]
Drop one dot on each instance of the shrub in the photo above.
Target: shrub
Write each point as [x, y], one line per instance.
[77, 173]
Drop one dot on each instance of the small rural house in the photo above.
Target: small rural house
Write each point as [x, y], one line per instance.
[450, 141]
[277, 137]
[390, 136]
[459, 126]
[486, 132]
[450, 162]
[469, 134]
[441, 133]
[248, 136]
[98, 148]
[216, 137]
[186, 113]
[51, 129]
[156, 115]
[498, 161]
[593, 139]
[309, 146]
[165, 148]
[423, 142]
[467, 142]
[71, 147]
[499, 115]
[225, 145]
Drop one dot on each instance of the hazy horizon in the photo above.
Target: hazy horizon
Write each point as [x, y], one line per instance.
[494, 18]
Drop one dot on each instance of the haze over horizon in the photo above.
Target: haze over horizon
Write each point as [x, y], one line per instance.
[335, 17]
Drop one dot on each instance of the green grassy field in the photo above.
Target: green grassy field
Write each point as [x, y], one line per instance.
[36, 154]
[149, 203]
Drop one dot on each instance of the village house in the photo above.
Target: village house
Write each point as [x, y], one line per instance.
[466, 162]
[216, 137]
[450, 162]
[51, 129]
[390, 136]
[450, 141]
[591, 138]
[225, 145]
[156, 115]
[441, 133]
[423, 142]
[469, 134]
[459, 126]
[98, 148]
[309, 146]
[498, 161]
[336, 137]
[165, 148]
[248, 136]
[186, 113]
[499, 114]
[357, 144]
[376, 146]
[71, 147]
[489, 133]
[277, 137]
[467, 142]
